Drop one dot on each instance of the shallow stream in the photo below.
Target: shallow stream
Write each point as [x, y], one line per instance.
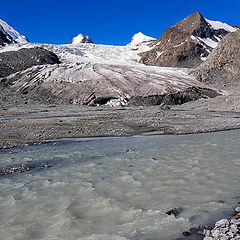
[119, 188]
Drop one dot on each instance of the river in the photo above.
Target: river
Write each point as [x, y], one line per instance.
[119, 188]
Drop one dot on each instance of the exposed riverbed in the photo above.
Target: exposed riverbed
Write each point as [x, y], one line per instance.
[119, 188]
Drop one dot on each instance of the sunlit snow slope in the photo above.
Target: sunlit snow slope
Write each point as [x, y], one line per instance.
[11, 34]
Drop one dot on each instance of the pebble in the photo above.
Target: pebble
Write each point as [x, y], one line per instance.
[237, 216]
[222, 223]
[186, 234]
[208, 238]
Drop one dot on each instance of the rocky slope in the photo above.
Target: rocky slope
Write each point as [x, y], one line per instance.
[222, 67]
[10, 35]
[186, 43]
[14, 61]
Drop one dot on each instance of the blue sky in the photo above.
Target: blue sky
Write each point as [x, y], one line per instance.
[108, 21]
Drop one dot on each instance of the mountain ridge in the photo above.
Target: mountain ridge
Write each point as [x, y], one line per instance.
[187, 43]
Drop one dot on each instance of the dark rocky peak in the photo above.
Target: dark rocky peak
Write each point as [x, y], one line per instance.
[187, 43]
[87, 39]
[191, 23]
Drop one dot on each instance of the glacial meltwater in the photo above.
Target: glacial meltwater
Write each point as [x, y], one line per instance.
[118, 188]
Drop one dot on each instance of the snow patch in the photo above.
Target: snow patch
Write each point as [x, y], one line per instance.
[207, 41]
[219, 25]
[179, 44]
[159, 54]
[16, 36]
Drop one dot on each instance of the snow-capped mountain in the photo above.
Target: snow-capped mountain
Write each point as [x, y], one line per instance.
[89, 72]
[187, 43]
[80, 39]
[140, 38]
[10, 35]
[140, 43]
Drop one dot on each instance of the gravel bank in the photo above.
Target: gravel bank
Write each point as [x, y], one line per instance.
[28, 122]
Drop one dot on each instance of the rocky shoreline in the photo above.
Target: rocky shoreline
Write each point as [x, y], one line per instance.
[225, 229]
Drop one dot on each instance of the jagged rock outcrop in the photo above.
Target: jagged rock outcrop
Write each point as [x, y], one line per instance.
[222, 67]
[14, 61]
[10, 35]
[186, 43]
[81, 39]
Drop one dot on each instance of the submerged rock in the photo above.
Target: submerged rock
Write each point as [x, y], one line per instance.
[19, 169]
[175, 211]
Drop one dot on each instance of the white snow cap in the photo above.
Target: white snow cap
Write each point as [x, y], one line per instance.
[140, 38]
[78, 39]
[16, 36]
[219, 25]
